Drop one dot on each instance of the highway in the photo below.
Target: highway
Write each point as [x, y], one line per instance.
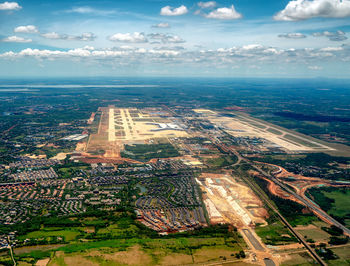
[306, 202]
[267, 200]
[262, 196]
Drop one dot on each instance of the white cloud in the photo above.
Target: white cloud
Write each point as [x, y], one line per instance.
[86, 36]
[209, 4]
[332, 49]
[10, 6]
[135, 37]
[16, 39]
[161, 25]
[245, 56]
[166, 38]
[252, 47]
[336, 36]
[306, 9]
[90, 48]
[292, 35]
[52, 35]
[26, 29]
[81, 10]
[89, 10]
[315, 67]
[170, 11]
[224, 13]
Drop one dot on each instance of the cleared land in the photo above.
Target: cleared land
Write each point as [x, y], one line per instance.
[231, 202]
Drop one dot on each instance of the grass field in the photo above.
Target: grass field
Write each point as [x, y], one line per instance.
[136, 255]
[314, 233]
[68, 234]
[137, 251]
[275, 234]
[344, 256]
[339, 202]
[144, 152]
[341, 206]
[302, 258]
[221, 161]
[115, 238]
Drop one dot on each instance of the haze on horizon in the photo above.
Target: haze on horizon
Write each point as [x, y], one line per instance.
[298, 38]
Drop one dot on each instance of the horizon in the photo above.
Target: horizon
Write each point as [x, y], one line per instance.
[282, 39]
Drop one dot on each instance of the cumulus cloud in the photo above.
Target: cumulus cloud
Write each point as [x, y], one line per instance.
[166, 38]
[87, 53]
[135, 37]
[86, 36]
[16, 39]
[170, 11]
[10, 6]
[161, 25]
[252, 47]
[306, 9]
[247, 55]
[292, 35]
[226, 13]
[26, 29]
[209, 4]
[336, 36]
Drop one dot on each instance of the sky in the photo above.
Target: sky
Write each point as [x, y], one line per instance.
[170, 38]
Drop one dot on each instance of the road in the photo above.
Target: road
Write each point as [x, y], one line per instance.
[11, 251]
[262, 196]
[316, 209]
[269, 262]
[267, 200]
[306, 202]
[256, 244]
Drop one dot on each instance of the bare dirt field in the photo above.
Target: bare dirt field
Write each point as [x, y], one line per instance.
[230, 201]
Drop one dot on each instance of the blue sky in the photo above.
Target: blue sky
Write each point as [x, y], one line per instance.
[240, 38]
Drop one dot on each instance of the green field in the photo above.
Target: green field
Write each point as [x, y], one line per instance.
[336, 201]
[341, 205]
[115, 235]
[302, 258]
[344, 256]
[145, 152]
[315, 234]
[140, 251]
[275, 234]
[68, 235]
[221, 161]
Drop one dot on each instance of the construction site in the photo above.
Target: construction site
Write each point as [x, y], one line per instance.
[230, 201]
